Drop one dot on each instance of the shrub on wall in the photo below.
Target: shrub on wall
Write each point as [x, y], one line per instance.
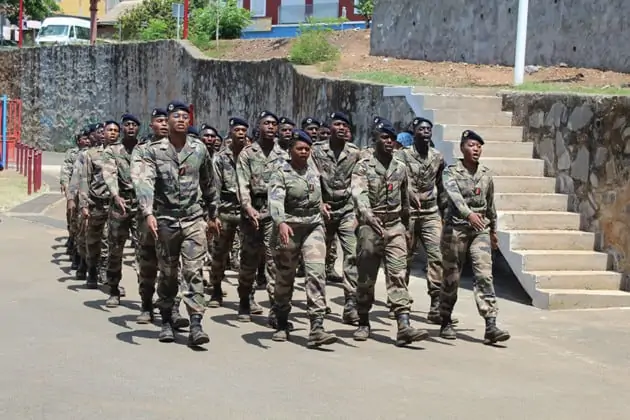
[231, 19]
[313, 45]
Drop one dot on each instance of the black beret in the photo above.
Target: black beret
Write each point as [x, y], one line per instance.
[129, 117]
[339, 116]
[177, 106]
[301, 135]
[377, 120]
[109, 122]
[419, 120]
[310, 121]
[325, 125]
[265, 114]
[205, 126]
[158, 112]
[234, 121]
[383, 127]
[286, 120]
[471, 135]
[219, 136]
[193, 130]
[93, 127]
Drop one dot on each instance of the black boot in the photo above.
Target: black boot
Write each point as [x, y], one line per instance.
[493, 333]
[146, 314]
[216, 297]
[363, 332]
[317, 336]
[255, 308]
[92, 278]
[244, 312]
[114, 297]
[178, 321]
[350, 315]
[446, 329]
[76, 261]
[332, 276]
[82, 269]
[166, 333]
[197, 336]
[282, 332]
[433, 316]
[406, 333]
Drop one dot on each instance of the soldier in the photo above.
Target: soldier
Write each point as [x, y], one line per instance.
[381, 201]
[229, 208]
[323, 133]
[470, 226]
[426, 195]
[311, 126]
[295, 205]
[253, 169]
[193, 132]
[209, 136]
[94, 200]
[175, 171]
[122, 214]
[285, 131]
[335, 159]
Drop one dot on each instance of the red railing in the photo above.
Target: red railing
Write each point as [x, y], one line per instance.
[29, 164]
[13, 128]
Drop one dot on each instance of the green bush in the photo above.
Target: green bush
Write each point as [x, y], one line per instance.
[136, 21]
[232, 20]
[156, 29]
[313, 45]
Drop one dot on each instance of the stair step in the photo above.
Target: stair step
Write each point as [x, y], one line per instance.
[538, 220]
[575, 240]
[586, 280]
[473, 117]
[531, 201]
[477, 103]
[483, 91]
[558, 260]
[524, 184]
[487, 132]
[514, 166]
[498, 149]
[585, 299]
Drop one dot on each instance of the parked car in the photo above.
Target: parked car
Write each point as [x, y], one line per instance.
[63, 30]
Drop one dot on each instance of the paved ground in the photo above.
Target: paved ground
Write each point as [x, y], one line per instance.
[64, 355]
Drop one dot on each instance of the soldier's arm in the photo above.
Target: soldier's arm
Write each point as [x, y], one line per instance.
[491, 211]
[442, 196]
[145, 185]
[208, 185]
[359, 188]
[243, 175]
[136, 164]
[110, 172]
[454, 194]
[404, 200]
[75, 179]
[84, 181]
[276, 195]
[66, 168]
[217, 166]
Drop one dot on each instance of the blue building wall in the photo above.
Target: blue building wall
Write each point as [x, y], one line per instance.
[291, 31]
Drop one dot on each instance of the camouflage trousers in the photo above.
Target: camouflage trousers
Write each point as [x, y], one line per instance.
[256, 246]
[73, 226]
[456, 243]
[222, 247]
[308, 241]
[344, 227]
[147, 261]
[120, 227]
[96, 235]
[427, 229]
[371, 250]
[188, 242]
[331, 254]
[80, 230]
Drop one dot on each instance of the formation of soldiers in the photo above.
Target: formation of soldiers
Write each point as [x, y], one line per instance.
[271, 206]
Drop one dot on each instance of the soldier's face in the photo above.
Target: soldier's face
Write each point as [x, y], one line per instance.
[268, 127]
[100, 134]
[239, 134]
[217, 144]
[84, 141]
[300, 151]
[323, 133]
[471, 150]
[112, 132]
[340, 130]
[209, 137]
[130, 129]
[424, 131]
[159, 126]
[178, 122]
[285, 131]
[385, 143]
[311, 130]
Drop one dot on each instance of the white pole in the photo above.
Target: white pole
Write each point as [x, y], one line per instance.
[178, 26]
[521, 42]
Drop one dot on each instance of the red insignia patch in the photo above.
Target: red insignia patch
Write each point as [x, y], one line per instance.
[390, 187]
[182, 171]
[477, 191]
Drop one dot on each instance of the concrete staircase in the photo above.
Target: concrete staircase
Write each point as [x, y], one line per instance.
[541, 241]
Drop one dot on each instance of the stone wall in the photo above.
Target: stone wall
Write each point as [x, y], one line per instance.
[581, 33]
[585, 143]
[64, 88]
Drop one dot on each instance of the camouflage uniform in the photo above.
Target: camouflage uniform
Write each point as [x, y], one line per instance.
[94, 195]
[64, 179]
[117, 175]
[168, 187]
[336, 174]
[253, 170]
[426, 197]
[295, 198]
[78, 225]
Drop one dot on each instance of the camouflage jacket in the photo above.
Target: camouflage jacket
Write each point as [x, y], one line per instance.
[295, 197]
[225, 178]
[171, 185]
[469, 193]
[68, 165]
[425, 179]
[253, 171]
[75, 177]
[117, 171]
[92, 187]
[380, 192]
[336, 174]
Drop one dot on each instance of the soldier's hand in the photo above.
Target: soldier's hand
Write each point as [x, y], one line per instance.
[253, 216]
[152, 226]
[285, 233]
[376, 224]
[214, 227]
[476, 221]
[326, 211]
[494, 240]
[121, 204]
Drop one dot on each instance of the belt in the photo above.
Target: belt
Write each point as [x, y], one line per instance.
[229, 197]
[388, 217]
[303, 212]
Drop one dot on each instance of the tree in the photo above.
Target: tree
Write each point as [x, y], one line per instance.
[366, 9]
[231, 18]
[34, 9]
[134, 22]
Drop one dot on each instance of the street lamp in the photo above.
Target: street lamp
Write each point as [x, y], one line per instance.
[521, 42]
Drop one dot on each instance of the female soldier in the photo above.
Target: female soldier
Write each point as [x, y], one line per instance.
[295, 205]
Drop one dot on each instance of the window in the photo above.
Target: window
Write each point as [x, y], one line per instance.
[72, 35]
[258, 8]
[82, 33]
[54, 30]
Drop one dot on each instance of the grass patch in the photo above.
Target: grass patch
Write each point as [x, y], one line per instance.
[211, 49]
[387, 78]
[568, 88]
[312, 46]
[13, 189]
[327, 66]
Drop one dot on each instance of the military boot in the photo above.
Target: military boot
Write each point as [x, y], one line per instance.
[244, 311]
[197, 336]
[350, 315]
[146, 314]
[76, 260]
[447, 331]
[216, 298]
[433, 316]
[406, 333]
[363, 332]
[317, 336]
[82, 269]
[92, 278]
[261, 280]
[493, 333]
[282, 333]
[332, 276]
[166, 333]
[177, 320]
[114, 297]
[255, 308]
[272, 320]
[391, 314]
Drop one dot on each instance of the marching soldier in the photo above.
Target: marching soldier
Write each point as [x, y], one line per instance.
[285, 131]
[470, 227]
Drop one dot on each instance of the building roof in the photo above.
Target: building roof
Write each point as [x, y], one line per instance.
[117, 11]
